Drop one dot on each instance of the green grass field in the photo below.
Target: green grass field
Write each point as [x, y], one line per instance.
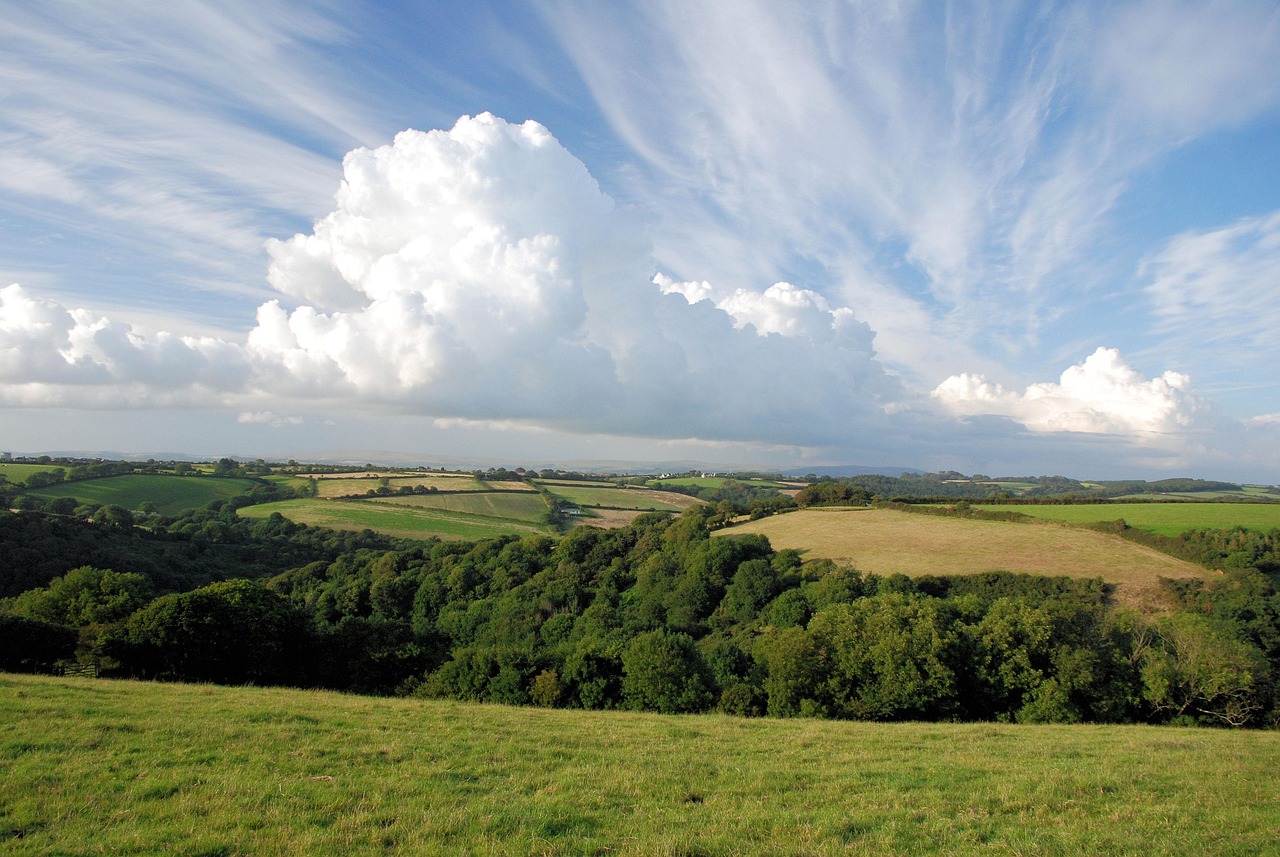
[1255, 494]
[346, 486]
[402, 521]
[524, 506]
[886, 542]
[713, 482]
[1168, 519]
[18, 473]
[265, 771]
[171, 495]
[621, 498]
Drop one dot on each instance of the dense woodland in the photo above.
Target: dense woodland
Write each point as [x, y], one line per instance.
[656, 616]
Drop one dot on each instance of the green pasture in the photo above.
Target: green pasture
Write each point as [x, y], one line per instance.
[1168, 519]
[614, 498]
[394, 520]
[1257, 494]
[713, 482]
[346, 486]
[267, 771]
[18, 473]
[172, 495]
[522, 506]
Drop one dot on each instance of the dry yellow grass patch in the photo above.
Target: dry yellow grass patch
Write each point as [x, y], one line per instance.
[608, 519]
[886, 542]
[507, 486]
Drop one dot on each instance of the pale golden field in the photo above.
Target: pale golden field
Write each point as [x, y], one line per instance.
[887, 542]
[608, 519]
[346, 486]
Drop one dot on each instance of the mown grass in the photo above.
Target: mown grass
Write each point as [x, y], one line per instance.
[887, 542]
[1167, 519]
[261, 771]
[528, 507]
[172, 495]
[402, 521]
[621, 498]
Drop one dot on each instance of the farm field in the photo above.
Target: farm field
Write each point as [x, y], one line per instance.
[268, 771]
[1168, 519]
[171, 495]
[18, 473]
[523, 506]
[713, 482]
[401, 521]
[886, 542]
[346, 486]
[622, 498]
[1255, 494]
[607, 519]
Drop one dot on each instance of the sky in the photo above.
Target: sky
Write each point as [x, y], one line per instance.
[1000, 238]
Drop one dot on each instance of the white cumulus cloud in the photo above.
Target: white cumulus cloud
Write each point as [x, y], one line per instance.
[1101, 395]
[480, 274]
[53, 355]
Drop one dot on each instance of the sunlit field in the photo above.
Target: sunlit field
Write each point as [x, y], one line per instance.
[887, 542]
[262, 771]
[402, 521]
[171, 495]
[1168, 519]
[623, 498]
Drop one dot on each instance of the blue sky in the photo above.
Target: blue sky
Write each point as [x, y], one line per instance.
[1000, 238]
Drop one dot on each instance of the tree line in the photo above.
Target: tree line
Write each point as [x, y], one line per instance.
[657, 616]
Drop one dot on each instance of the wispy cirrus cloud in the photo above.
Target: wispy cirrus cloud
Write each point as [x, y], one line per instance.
[947, 172]
[186, 133]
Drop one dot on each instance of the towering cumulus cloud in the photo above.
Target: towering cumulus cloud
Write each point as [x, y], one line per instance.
[481, 273]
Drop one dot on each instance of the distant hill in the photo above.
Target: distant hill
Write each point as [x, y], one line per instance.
[849, 470]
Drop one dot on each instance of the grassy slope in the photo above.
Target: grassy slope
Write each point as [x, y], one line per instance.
[18, 473]
[290, 772]
[889, 542]
[525, 506]
[172, 495]
[343, 486]
[621, 498]
[402, 521]
[1168, 519]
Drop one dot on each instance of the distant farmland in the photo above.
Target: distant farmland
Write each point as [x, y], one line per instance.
[1168, 519]
[344, 486]
[18, 473]
[515, 506]
[890, 542]
[403, 521]
[622, 498]
[171, 495]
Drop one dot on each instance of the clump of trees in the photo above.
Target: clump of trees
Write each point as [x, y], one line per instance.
[656, 616]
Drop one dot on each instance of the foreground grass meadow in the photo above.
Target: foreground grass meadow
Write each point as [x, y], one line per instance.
[113, 767]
